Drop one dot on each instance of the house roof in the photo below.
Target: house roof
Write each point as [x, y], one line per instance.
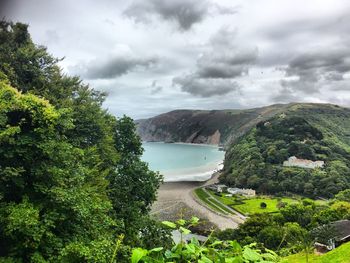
[342, 228]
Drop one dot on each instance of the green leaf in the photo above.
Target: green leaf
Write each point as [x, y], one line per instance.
[194, 220]
[138, 254]
[169, 224]
[216, 243]
[250, 254]
[181, 222]
[184, 230]
[156, 249]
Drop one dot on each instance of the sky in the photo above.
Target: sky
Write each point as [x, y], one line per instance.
[154, 56]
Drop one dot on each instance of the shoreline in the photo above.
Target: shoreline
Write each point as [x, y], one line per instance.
[171, 195]
[186, 143]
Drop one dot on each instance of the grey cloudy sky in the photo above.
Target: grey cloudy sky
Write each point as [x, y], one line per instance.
[154, 56]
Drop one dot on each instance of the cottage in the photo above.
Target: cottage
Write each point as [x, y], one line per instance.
[295, 162]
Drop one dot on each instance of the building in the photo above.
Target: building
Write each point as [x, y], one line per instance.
[239, 191]
[341, 234]
[295, 162]
[219, 188]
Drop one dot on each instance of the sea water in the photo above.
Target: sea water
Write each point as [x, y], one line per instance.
[183, 162]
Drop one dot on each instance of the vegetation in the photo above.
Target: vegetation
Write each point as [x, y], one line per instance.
[211, 201]
[292, 229]
[248, 206]
[74, 189]
[212, 250]
[71, 178]
[313, 132]
[339, 255]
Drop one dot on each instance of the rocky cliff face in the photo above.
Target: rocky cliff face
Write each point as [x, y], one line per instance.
[209, 127]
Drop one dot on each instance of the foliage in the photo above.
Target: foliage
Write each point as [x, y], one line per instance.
[339, 255]
[308, 132]
[212, 250]
[48, 206]
[293, 229]
[71, 176]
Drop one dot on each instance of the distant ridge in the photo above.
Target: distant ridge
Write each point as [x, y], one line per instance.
[210, 126]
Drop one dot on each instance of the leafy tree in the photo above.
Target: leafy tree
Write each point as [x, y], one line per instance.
[96, 152]
[48, 207]
[133, 188]
[263, 205]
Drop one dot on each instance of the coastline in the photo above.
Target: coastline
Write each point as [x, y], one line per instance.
[174, 197]
[186, 143]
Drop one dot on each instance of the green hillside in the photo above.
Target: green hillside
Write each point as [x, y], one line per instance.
[339, 255]
[307, 131]
[203, 126]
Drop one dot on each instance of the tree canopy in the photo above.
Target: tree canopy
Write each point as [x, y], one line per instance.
[72, 179]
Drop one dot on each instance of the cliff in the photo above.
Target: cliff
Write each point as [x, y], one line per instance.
[200, 126]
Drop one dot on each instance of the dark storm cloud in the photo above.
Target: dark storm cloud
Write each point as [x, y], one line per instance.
[114, 67]
[205, 87]
[185, 13]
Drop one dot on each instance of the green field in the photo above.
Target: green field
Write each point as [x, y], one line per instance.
[212, 202]
[252, 206]
[339, 255]
[249, 206]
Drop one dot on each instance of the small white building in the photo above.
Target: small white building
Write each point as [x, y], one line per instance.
[239, 191]
[295, 162]
[219, 188]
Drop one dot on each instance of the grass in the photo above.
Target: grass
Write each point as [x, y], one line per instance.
[213, 203]
[248, 206]
[252, 205]
[339, 255]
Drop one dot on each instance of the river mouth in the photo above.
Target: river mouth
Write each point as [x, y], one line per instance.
[179, 162]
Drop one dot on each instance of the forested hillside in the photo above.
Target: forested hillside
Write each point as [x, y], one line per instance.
[307, 131]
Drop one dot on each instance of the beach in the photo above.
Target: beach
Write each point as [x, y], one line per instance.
[177, 198]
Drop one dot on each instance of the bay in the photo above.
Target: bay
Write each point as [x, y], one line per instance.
[183, 162]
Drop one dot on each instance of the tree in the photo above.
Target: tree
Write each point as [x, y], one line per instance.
[133, 188]
[90, 145]
[263, 205]
[48, 207]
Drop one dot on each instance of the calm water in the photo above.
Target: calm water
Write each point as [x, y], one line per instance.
[182, 162]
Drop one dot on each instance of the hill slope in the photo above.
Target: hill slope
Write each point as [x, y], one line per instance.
[339, 255]
[307, 131]
[199, 126]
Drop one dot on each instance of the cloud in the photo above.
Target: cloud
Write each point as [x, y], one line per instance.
[226, 63]
[205, 87]
[316, 69]
[155, 89]
[113, 67]
[185, 13]
[217, 69]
